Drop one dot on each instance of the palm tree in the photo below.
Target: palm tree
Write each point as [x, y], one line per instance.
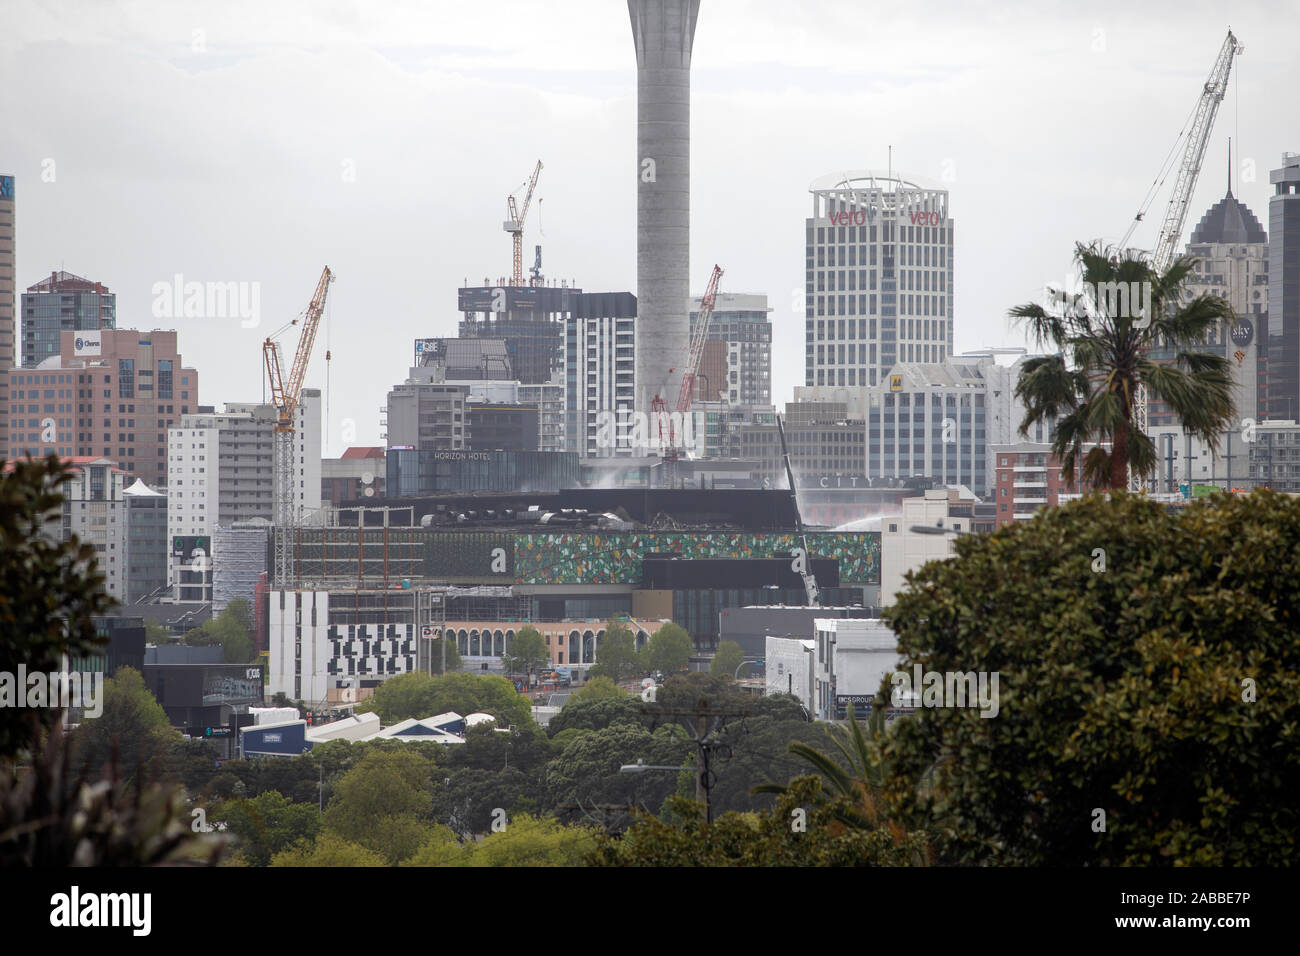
[861, 784]
[1089, 388]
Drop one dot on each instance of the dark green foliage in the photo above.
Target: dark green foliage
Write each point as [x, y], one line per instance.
[418, 695]
[464, 800]
[597, 713]
[52, 817]
[588, 770]
[49, 590]
[727, 660]
[616, 654]
[670, 649]
[528, 652]
[231, 629]
[802, 830]
[133, 725]
[1120, 690]
[267, 824]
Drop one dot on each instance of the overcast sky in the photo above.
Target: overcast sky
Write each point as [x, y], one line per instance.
[259, 141]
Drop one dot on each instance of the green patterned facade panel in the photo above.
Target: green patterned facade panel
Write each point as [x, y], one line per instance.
[615, 558]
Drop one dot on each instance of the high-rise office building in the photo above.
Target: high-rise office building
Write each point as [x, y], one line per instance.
[600, 374]
[62, 302]
[112, 394]
[742, 322]
[1284, 290]
[528, 319]
[221, 472]
[878, 278]
[8, 306]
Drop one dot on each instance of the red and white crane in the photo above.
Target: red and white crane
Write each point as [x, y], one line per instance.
[699, 335]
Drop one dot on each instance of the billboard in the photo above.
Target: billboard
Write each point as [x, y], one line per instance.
[87, 343]
[184, 546]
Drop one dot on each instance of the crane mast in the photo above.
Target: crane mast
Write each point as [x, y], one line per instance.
[809, 581]
[514, 225]
[695, 352]
[1171, 231]
[285, 396]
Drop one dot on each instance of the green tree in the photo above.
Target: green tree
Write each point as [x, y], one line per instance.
[441, 847]
[588, 770]
[670, 649]
[328, 850]
[383, 803]
[454, 662]
[155, 633]
[1147, 667]
[231, 630]
[528, 652]
[727, 660]
[616, 655]
[530, 841]
[132, 721]
[597, 688]
[596, 713]
[49, 592]
[467, 800]
[801, 830]
[1104, 355]
[267, 824]
[418, 695]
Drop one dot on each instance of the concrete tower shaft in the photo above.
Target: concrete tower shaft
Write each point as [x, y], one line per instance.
[663, 32]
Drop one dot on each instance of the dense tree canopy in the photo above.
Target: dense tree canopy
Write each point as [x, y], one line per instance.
[1148, 695]
[616, 654]
[132, 720]
[727, 660]
[670, 649]
[528, 652]
[49, 591]
[418, 695]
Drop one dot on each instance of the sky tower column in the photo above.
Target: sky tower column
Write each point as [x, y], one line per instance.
[663, 32]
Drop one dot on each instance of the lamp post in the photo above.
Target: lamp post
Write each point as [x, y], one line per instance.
[701, 784]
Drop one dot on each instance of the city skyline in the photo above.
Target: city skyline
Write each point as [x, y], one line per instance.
[190, 175]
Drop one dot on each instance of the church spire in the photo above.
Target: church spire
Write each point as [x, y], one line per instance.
[1229, 167]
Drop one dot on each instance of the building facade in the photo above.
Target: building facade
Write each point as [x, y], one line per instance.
[1284, 290]
[221, 471]
[111, 396]
[94, 510]
[741, 321]
[8, 304]
[146, 541]
[59, 303]
[600, 375]
[529, 320]
[878, 278]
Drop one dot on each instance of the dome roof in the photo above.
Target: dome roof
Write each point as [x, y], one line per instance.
[1229, 221]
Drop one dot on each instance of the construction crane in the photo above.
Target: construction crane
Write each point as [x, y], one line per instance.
[695, 352]
[805, 569]
[1198, 137]
[514, 225]
[285, 397]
